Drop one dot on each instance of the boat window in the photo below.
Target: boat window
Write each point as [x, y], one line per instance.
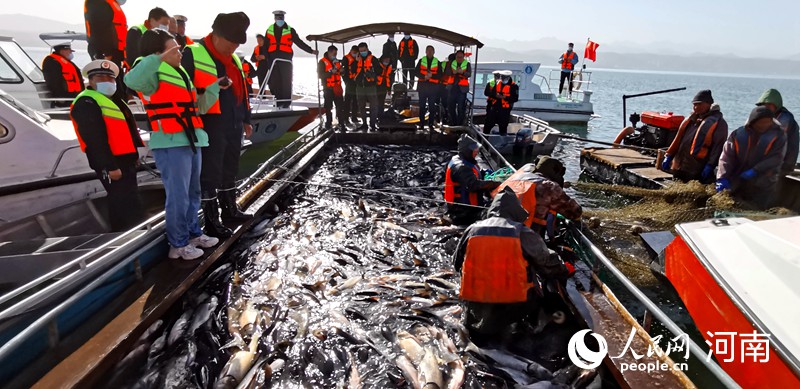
[5, 134]
[7, 73]
[23, 61]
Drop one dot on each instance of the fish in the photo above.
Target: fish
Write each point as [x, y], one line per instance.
[410, 346]
[441, 283]
[248, 319]
[409, 371]
[347, 284]
[354, 379]
[237, 367]
[202, 314]
[178, 329]
[430, 375]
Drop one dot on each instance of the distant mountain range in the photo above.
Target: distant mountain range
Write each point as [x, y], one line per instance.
[657, 56]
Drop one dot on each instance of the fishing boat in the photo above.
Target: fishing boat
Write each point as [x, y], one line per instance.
[738, 277]
[25, 82]
[537, 96]
[105, 331]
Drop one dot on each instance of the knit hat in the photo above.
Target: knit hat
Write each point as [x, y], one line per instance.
[552, 169]
[771, 96]
[758, 113]
[466, 143]
[704, 96]
[232, 26]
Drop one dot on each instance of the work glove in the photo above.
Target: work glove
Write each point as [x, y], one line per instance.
[486, 172]
[707, 172]
[723, 184]
[570, 269]
[666, 165]
[748, 175]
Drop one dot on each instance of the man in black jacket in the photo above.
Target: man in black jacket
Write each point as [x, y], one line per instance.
[259, 59]
[408, 52]
[224, 124]
[106, 29]
[465, 187]
[157, 18]
[62, 77]
[501, 101]
[111, 151]
[390, 50]
[365, 72]
[279, 40]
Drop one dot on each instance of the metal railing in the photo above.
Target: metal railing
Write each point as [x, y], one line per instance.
[652, 309]
[58, 160]
[260, 96]
[579, 77]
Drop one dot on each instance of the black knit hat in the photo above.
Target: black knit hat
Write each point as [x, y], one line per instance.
[759, 112]
[704, 96]
[232, 26]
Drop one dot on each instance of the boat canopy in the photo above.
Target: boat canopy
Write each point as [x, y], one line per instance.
[371, 30]
[63, 36]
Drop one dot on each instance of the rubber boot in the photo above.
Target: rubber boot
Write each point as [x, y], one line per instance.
[213, 225]
[230, 210]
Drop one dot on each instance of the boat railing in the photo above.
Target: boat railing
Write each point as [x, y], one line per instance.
[581, 80]
[651, 310]
[58, 160]
[263, 98]
[98, 266]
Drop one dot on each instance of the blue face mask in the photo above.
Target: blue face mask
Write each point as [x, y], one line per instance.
[364, 54]
[106, 88]
[280, 23]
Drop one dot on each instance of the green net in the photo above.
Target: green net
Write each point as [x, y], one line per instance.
[500, 175]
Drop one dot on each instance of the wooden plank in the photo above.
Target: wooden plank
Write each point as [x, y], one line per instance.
[651, 173]
[618, 158]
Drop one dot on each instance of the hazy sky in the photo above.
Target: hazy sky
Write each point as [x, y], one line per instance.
[749, 28]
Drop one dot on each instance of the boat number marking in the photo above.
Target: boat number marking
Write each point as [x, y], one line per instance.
[269, 128]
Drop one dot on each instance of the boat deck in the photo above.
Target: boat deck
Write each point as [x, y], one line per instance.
[623, 166]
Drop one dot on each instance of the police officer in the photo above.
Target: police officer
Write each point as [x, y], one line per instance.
[213, 60]
[107, 133]
[501, 101]
[180, 35]
[157, 18]
[503, 265]
[106, 29]
[279, 40]
[329, 71]
[61, 75]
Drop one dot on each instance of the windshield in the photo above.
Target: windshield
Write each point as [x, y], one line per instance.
[21, 58]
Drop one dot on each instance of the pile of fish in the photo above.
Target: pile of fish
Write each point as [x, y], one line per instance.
[349, 285]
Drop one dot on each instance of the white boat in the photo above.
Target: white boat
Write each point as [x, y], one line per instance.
[538, 95]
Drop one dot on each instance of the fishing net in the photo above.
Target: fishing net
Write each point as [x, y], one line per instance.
[500, 175]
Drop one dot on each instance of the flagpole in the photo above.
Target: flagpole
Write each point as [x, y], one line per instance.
[583, 61]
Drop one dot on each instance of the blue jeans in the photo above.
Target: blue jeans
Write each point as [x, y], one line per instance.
[180, 171]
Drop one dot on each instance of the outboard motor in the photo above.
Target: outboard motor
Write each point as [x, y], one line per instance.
[400, 99]
[523, 142]
[658, 131]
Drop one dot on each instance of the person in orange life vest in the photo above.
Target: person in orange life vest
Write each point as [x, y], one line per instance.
[62, 77]
[106, 29]
[489, 91]
[751, 159]
[695, 151]
[280, 38]
[407, 53]
[177, 136]
[540, 190]
[350, 94]
[568, 61]
[464, 187]
[212, 60]
[157, 18]
[108, 135]
[329, 71]
[365, 75]
[384, 81]
[461, 71]
[259, 59]
[445, 86]
[429, 72]
[500, 103]
[504, 265]
[180, 35]
[248, 70]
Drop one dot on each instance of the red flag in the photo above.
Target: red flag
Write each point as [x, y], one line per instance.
[591, 51]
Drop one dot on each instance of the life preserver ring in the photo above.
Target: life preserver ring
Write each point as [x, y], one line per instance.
[577, 77]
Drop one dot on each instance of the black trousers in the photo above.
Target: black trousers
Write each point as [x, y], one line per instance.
[261, 75]
[350, 101]
[330, 99]
[368, 94]
[382, 92]
[280, 83]
[457, 106]
[499, 117]
[124, 205]
[565, 76]
[408, 72]
[221, 158]
[429, 95]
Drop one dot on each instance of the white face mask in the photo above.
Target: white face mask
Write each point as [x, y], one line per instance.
[506, 80]
[70, 56]
[280, 23]
[121, 2]
[164, 27]
[106, 88]
[406, 36]
[391, 39]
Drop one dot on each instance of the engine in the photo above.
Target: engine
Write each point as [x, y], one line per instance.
[658, 131]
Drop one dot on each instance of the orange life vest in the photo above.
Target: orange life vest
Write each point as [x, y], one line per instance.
[120, 24]
[173, 107]
[362, 65]
[285, 45]
[494, 269]
[246, 69]
[189, 41]
[350, 59]
[70, 74]
[447, 77]
[403, 44]
[335, 79]
[744, 146]
[454, 192]
[461, 79]
[524, 186]
[567, 62]
[205, 72]
[425, 67]
[705, 135]
[119, 134]
[505, 89]
[385, 78]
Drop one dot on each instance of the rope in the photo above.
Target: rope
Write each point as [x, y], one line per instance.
[377, 191]
[500, 175]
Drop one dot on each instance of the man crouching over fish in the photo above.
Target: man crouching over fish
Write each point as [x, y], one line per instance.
[464, 188]
[501, 263]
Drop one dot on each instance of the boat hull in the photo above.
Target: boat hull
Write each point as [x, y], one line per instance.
[713, 311]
